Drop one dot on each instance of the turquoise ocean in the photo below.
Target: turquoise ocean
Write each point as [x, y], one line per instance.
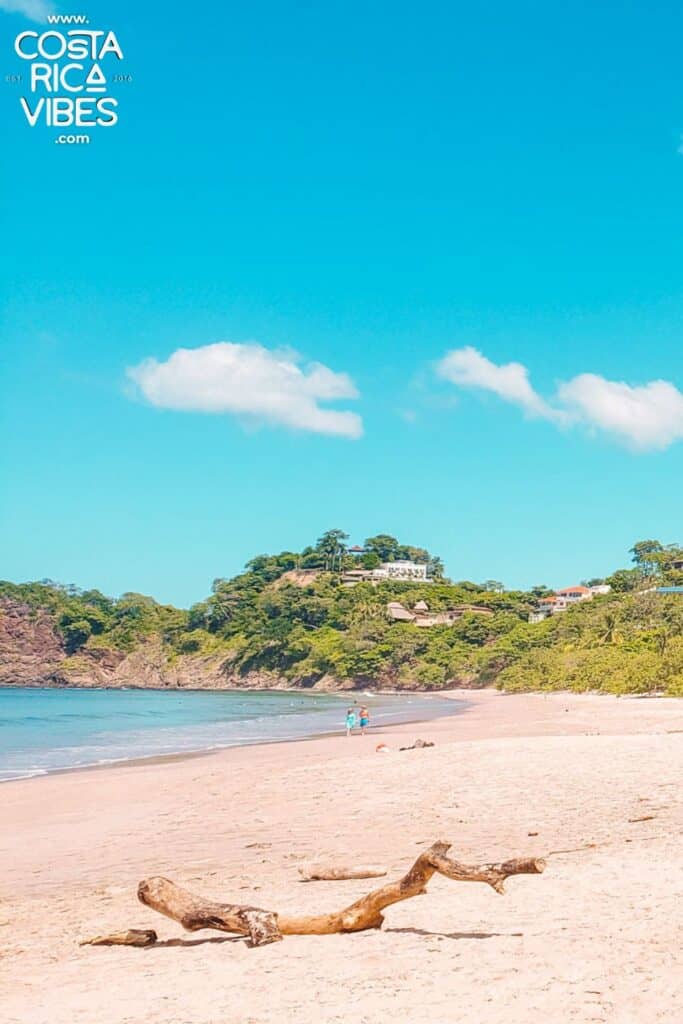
[45, 730]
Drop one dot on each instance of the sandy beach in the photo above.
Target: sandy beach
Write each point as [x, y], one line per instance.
[591, 783]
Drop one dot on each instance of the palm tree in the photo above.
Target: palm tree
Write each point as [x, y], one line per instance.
[608, 628]
[367, 609]
[332, 546]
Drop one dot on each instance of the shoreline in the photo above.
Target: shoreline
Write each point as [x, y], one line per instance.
[465, 697]
[590, 783]
[182, 755]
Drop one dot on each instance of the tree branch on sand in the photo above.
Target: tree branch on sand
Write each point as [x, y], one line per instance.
[338, 872]
[264, 926]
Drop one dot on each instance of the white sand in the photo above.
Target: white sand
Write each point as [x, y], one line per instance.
[596, 938]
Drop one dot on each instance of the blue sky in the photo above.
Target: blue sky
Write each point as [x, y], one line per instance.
[354, 218]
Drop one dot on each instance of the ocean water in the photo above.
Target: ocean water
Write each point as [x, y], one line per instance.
[44, 730]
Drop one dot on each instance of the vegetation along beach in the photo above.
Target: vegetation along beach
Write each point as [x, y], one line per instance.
[337, 616]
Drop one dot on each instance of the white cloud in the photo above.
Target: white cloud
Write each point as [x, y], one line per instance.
[645, 417]
[469, 368]
[649, 416]
[251, 382]
[36, 10]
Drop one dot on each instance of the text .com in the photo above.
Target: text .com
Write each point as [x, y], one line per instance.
[72, 140]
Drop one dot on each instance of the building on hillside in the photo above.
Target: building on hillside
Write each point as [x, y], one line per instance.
[572, 594]
[401, 571]
[420, 615]
[565, 598]
[356, 550]
[350, 577]
[397, 613]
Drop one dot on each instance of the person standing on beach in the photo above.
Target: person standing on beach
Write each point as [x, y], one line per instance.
[350, 720]
[364, 719]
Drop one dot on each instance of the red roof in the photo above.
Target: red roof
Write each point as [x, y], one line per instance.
[357, 548]
[574, 590]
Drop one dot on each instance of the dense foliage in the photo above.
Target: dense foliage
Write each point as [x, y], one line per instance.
[87, 618]
[291, 614]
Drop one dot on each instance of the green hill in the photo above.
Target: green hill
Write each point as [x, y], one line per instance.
[300, 619]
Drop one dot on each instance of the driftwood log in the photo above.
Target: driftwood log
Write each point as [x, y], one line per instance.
[264, 926]
[133, 937]
[337, 872]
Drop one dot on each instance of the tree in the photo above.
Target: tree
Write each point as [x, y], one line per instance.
[98, 599]
[647, 556]
[609, 629]
[541, 590]
[413, 554]
[370, 560]
[368, 608]
[384, 546]
[435, 568]
[223, 606]
[75, 634]
[332, 547]
[495, 585]
[624, 580]
[672, 557]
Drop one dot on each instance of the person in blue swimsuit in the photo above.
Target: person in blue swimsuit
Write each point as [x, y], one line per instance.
[350, 721]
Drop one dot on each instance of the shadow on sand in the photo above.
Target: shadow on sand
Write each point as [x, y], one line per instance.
[220, 939]
[188, 943]
[456, 935]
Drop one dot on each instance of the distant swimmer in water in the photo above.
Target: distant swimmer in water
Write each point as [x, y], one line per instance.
[364, 719]
[350, 721]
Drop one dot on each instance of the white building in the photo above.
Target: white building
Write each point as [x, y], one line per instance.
[402, 569]
[563, 599]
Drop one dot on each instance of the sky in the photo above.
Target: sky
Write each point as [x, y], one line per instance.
[387, 267]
